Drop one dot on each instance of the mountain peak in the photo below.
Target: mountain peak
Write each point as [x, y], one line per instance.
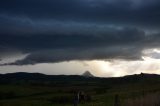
[87, 74]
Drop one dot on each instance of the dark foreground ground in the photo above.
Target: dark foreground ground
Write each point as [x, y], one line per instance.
[24, 89]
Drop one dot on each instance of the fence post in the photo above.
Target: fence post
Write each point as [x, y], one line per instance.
[116, 100]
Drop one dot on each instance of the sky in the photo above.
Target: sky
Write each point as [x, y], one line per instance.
[109, 38]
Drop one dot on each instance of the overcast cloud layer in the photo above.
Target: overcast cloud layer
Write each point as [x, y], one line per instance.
[64, 30]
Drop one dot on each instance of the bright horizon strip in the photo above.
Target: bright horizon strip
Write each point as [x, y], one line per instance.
[100, 68]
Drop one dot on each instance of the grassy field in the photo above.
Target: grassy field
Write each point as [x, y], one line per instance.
[18, 95]
[129, 94]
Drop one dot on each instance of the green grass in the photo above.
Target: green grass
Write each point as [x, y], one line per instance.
[30, 95]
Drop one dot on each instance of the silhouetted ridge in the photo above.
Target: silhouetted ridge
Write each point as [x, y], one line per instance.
[84, 79]
[87, 74]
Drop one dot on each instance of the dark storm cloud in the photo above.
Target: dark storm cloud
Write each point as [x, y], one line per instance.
[124, 43]
[106, 11]
[84, 49]
[65, 30]
[48, 56]
[87, 39]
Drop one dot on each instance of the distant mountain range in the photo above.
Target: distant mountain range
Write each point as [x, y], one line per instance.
[25, 75]
[85, 78]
